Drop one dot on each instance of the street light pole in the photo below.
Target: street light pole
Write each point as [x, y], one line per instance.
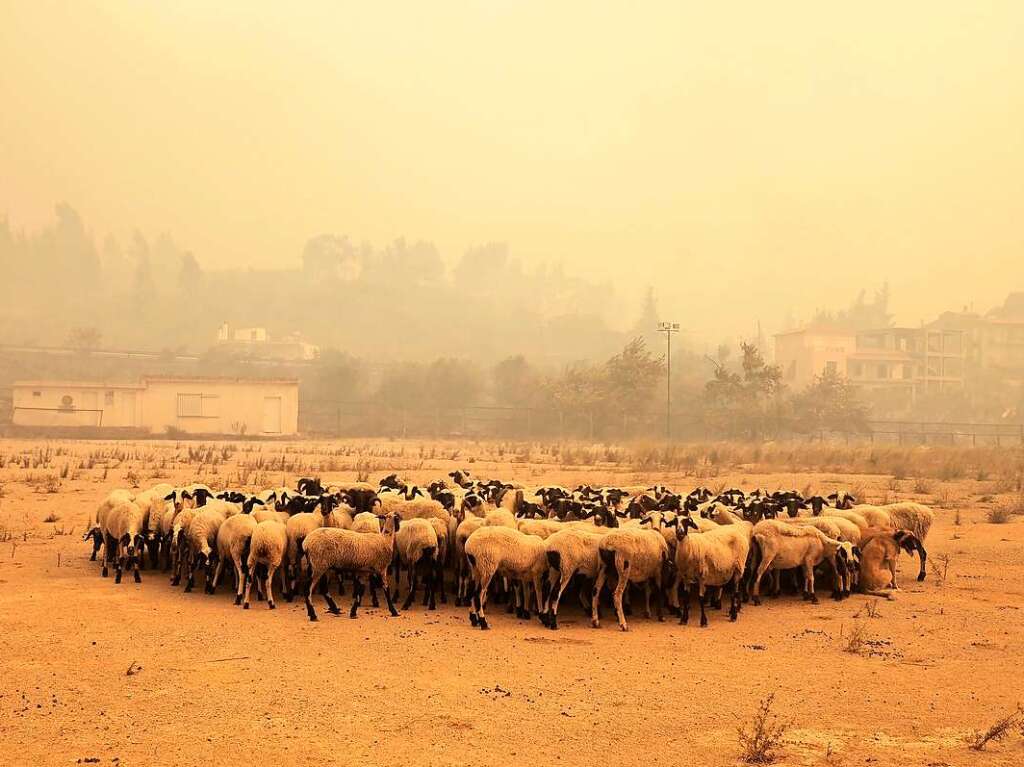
[668, 328]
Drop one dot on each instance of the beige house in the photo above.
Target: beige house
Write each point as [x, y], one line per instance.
[900, 363]
[230, 406]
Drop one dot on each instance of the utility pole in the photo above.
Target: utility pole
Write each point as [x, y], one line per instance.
[668, 328]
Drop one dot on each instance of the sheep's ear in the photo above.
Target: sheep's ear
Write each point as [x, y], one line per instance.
[186, 494]
[169, 497]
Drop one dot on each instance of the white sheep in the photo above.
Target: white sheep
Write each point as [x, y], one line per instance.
[233, 545]
[781, 546]
[125, 537]
[360, 554]
[633, 555]
[501, 550]
[415, 543]
[571, 551]
[300, 525]
[267, 547]
[714, 558]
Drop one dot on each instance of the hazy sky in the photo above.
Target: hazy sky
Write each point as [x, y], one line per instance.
[775, 155]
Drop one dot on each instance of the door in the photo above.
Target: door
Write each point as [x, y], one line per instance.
[271, 415]
[128, 408]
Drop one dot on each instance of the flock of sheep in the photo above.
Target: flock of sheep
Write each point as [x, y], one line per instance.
[502, 541]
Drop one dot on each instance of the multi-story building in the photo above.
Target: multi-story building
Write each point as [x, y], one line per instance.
[896, 364]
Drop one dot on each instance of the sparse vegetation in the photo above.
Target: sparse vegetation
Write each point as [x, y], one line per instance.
[760, 743]
[998, 730]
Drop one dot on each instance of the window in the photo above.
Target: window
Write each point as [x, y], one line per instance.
[198, 406]
[832, 368]
[854, 369]
[190, 405]
[908, 371]
[37, 394]
[108, 398]
[883, 370]
[791, 370]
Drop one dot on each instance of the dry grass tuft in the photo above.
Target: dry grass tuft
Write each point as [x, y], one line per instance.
[998, 730]
[760, 744]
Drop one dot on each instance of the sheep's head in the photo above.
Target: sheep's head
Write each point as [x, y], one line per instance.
[248, 503]
[907, 541]
[846, 555]
[683, 525]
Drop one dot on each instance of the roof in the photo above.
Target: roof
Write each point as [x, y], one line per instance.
[76, 385]
[820, 330]
[141, 384]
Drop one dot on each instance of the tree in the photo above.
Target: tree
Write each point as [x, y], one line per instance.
[631, 377]
[746, 402]
[84, 339]
[451, 383]
[829, 402]
[515, 382]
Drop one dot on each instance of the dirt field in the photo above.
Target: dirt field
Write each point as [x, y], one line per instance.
[145, 674]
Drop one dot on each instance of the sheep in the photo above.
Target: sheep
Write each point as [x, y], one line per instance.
[847, 514]
[443, 530]
[361, 496]
[904, 515]
[714, 558]
[267, 547]
[153, 503]
[125, 539]
[421, 508]
[416, 542]
[98, 525]
[501, 550]
[465, 528]
[879, 552]
[634, 556]
[299, 526]
[782, 546]
[501, 518]
[201, 540]
[570, 551]
[178, 546]
[345, 551]
[233, 544]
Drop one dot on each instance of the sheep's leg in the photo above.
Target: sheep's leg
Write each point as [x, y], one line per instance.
[538, 589]
[118, 563]
[647, 600]
[270, 586]
[240, 581]
[440, 582]
[374, 602]
[762, 568]
[107, 558]
[357, 596]
[620, 587]
[659, 604]
[555, 597]
[387, 594]
[325, 592]
[482, 589]
[413, 584]
[684, 615]
[673, 595]
[314, 580]
[924, 558]
[431, 579]
[136, 562]
[595, 602]
[809, 581]
[211, 585]
[702, 591]
[734, 607]
[837, 579]
[248, 588]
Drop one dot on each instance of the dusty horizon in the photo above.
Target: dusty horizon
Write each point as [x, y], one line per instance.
[787, 156]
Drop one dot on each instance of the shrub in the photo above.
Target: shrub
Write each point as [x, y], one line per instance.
[760, 744]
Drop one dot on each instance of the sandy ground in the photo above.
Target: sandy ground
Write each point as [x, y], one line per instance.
[145, 674]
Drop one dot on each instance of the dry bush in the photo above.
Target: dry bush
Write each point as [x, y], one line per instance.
[855, 642]
[51, 518]
[998, 730]
[922, 486]
[894, 485]
[999, 515]
[940, 567]
[760, 744]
